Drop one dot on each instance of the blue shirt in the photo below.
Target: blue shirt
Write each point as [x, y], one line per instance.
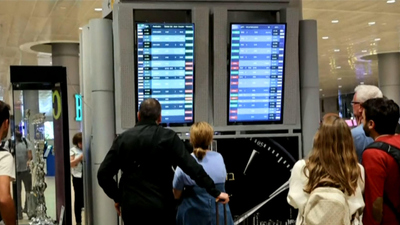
[361, 141]
[213, 164]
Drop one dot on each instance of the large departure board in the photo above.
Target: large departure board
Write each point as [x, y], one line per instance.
[165, 69]
[256, 73]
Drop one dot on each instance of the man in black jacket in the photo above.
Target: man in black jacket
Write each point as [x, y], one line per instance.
[146, 154]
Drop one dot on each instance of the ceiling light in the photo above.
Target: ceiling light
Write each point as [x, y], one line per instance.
[365, 74]
[80, 28]
[364, 51]
[323, 95]
[335, 21]
[377, 39]
[361, 82]
[63, 7]
[390, 1]
[98, 9]
[338, 67]
[371, 23]
[325, 38]
[320, 89]
[340, 86]
[339, 78]
[336, 50]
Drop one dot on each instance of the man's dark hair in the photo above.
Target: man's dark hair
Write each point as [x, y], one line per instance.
[384, 113]
[18, 136]
[4, 112]
[77, 138]
[150, 109]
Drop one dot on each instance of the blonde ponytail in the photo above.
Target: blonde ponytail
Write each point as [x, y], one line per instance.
[201, 136]
[199, 153]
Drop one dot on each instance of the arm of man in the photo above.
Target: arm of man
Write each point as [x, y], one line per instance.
[194, 170]
[108, 169]
[7, 172]
[7, 208]
[76, 160]
[30, 154]
[375, 176]
[178, 183]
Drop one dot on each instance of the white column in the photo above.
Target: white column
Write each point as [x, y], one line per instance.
[86, 92]
[67, 55]
[102, 106]
[309, 82]
[389, 75]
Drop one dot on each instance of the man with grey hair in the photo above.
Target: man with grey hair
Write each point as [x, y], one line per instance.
[362, 93]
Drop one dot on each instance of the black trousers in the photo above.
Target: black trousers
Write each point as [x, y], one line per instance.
[26, 178]
[79, 199]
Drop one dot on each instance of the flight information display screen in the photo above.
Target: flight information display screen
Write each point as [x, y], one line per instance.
[165, 69]
[256, 73]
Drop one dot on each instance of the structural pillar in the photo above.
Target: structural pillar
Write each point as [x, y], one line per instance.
[309, 82]
[67, 55]
[102, 106]
[86, 93]
[389, 75]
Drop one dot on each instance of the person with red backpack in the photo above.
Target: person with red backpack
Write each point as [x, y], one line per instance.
[380, 160]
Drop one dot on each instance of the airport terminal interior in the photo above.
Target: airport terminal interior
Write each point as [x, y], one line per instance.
[262, 72]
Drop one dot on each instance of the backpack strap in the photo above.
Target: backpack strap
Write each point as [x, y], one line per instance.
[26, 143]
[395, 153]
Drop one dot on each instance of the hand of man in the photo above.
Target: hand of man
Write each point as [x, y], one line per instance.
[223, 197]
[118, 208]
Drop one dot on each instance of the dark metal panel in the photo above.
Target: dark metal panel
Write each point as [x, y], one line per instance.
[44, 75]
[52, 78]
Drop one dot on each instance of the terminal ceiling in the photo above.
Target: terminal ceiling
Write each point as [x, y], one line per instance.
[347, 30]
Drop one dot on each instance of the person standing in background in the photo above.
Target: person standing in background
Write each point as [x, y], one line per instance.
[331, 163]
[362, 94]
[195, 207]
[23, 154]
[382, 175]
[77, 175]
[7, 170]
[146, 154]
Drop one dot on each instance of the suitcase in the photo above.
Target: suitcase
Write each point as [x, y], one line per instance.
[216, 209]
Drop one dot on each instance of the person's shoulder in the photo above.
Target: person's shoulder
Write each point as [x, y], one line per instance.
[74, 149]
[357, 131]
[374, 153]
[167, 131]
[299, 164]
[214, 154]
[5, 155]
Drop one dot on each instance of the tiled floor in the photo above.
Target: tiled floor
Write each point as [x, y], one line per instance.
[50, 195]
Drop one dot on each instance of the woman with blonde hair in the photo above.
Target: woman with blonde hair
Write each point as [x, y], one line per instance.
[332, 163]
[197, 206]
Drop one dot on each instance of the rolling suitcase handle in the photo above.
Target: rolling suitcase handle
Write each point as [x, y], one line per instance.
[216, 209]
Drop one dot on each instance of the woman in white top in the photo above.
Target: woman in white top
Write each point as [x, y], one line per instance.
[77, 178]
[332, 163]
